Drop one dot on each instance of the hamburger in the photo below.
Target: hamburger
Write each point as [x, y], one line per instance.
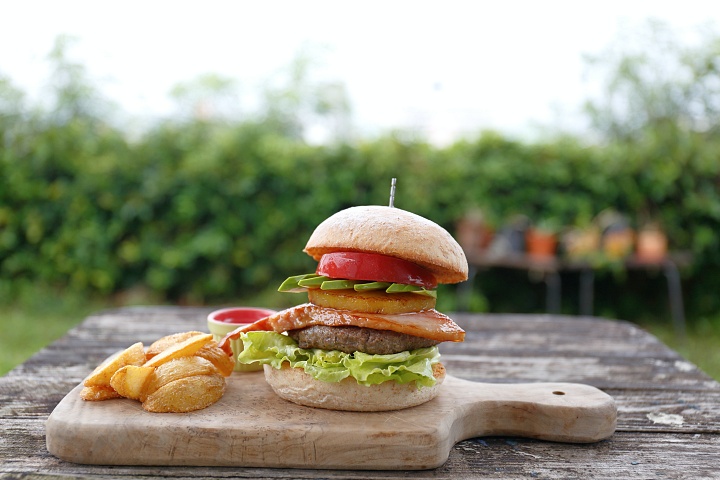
[367, 338]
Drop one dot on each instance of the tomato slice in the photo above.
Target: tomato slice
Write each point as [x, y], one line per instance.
[374, 267]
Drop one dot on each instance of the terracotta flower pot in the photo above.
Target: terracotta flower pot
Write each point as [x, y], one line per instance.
[651, 245]
[540, 244]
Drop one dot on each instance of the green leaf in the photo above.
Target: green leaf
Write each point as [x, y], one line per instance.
[271, 348]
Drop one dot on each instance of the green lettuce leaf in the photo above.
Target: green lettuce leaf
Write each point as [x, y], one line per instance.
[271, 348]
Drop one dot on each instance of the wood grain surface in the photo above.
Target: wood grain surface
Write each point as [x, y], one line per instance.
[252, 427]
[668, 423]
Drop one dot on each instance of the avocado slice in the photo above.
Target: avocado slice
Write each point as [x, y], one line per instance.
[364, 287]
[292, 284]
[300, 283]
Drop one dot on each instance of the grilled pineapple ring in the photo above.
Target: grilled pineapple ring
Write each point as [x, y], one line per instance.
[373, 301]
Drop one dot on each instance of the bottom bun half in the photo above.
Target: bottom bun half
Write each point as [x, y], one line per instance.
[294, 385]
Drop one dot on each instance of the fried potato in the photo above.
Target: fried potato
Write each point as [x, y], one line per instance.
[186, 394]
[178, 373]
[185, 348]
[130, 381]
[100, 377]
[168, 341]
[96, 394]
[177, 369]
[223, 362]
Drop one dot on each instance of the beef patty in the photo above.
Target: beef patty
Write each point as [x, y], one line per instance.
[354, 339]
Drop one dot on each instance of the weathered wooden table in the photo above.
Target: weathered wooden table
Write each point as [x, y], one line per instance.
[668, 410]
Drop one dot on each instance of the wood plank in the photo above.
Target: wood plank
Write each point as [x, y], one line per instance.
[667, 411]
[622, 456]
[557, 333]
[600, 372]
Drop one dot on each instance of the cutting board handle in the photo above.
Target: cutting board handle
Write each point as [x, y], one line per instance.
[560, 412]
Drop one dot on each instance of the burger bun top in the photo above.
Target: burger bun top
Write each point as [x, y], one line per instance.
[393, 232]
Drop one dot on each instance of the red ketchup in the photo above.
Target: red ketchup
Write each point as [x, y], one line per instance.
[240, 315]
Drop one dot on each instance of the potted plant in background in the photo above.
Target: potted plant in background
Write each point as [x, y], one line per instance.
[618, 237]
[651, 244]
[541, 239]
[474, 231]
[581, 241]
[509, 241]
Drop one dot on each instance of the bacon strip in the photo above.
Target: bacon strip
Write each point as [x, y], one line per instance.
[261, 324]
[426, 324]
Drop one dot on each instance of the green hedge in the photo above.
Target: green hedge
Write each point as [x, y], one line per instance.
[203, 212]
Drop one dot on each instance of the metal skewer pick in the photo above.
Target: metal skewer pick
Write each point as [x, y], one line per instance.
[392, 192]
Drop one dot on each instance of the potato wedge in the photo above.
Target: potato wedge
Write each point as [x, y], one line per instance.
[168, 341]
[186, 394]
[181, 373]
[130, 381]
[96, 394]
[177, 369]
[185, 348]
[222, 361]
[100, 377]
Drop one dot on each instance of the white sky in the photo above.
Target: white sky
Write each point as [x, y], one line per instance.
[445, 66]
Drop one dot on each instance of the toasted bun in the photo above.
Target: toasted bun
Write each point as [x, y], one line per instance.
[394, 232]
[296, 386]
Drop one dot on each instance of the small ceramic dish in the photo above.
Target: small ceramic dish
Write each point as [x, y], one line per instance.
[223, 321]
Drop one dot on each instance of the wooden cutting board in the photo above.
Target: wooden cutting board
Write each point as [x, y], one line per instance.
[252, 427]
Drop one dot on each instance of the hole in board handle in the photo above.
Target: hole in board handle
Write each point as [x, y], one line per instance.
[558, 392]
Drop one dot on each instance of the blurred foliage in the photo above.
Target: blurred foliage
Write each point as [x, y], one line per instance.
[208, 95]
[657, 80]
[207, 210]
